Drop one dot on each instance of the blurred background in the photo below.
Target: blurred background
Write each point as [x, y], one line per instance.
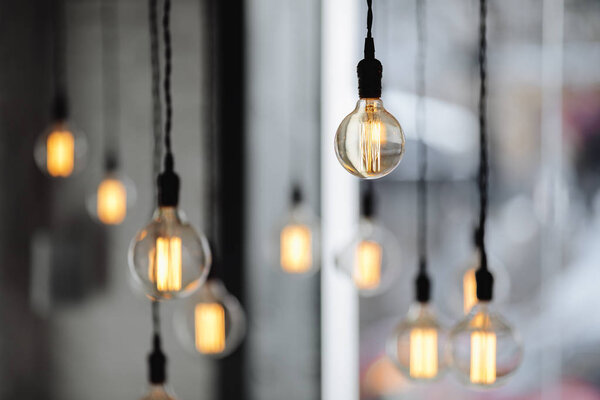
[259, 87]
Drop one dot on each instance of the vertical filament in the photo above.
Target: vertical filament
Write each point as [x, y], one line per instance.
[370, 142]
[483, 357]
[165, 264]
[423, 353]
[210, 328]
[111, 201]
[60, 153]
[367, 267]
[469, 290]
[296, 248]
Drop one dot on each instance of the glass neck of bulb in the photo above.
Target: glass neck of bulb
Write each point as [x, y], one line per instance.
[167, 212]
[367, 101]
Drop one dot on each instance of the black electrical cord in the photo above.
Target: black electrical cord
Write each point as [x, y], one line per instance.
[110, 83]
[156, 105]
[60, 106]
[369, 69]
[423, 282]
[484, 278]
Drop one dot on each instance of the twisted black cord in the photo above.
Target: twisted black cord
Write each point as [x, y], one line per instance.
[155, 318]
[369, 17]
[483, 150]
[60, 104]
[167, 84]
[420, 129]
[110, 81]
[156, 105]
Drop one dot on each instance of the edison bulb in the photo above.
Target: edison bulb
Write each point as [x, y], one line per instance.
[369, 142]
[111, 198]
[168, 258]
[371, 259]
[416, 345]
[298, 242]
[159, 392]
[60, 150]
[484, 349]
[212, 323]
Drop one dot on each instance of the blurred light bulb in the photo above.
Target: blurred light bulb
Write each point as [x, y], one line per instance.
[111, 198]
[369, 142]
[212, 322]
[298, 242]
[416, 346]
[371, 258]
[168, 258]
[484, 350]
[158, 392]
[59, 150]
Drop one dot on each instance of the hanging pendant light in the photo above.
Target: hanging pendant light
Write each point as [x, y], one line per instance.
[484, 349]
[372, 258]
[417, 344]
[115, 193]
[60, 150]
[369, 142]
[168, 258]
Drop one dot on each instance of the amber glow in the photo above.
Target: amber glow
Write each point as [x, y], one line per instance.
[372, 136]
[367, 265]
[483, 357]
[296, 249]
[210, 328]
[111, 201]
[469, 290]
[60, 153]
[423, 353]
[165, 264]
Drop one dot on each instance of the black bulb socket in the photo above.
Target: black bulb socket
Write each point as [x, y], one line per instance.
[423, 287]
[168, 185]
[157, 363]
[60, 107]
[485, 283]
[111, 162]
[370, 73]
[367, 203]
[296, 195]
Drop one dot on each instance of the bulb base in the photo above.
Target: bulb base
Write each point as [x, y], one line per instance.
[485, 283]
[168, 187]
[370, 72]
[157, 363]
[60, 107]
[423, 286]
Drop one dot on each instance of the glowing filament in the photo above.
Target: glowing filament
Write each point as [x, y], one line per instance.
[60, 153]
[423, 353]
[210, 328]
[483, 357]
[469, 290]
[111, 201]
[165, 264]
[370, 143]
[367, 267]
[296, 248]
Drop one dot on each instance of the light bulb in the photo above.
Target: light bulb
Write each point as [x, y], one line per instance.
[158, 392]
[111, 198]
[371, 259]
[298, 242]
[416, 345]
[168, 258]
[212, 322]
[484, 350]
[60, 151]
[369, 142]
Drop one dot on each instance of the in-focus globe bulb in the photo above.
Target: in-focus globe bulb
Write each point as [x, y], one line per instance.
[168, 258]
[369, 142]
[60, 150]
[111, 198]
[158, 392]
[298, 242]
[417, 344]
[484, 349]
[212, 322]
[371, 258]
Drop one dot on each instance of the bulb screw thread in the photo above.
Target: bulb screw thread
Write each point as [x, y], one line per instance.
[423, 285]
[168, 184]
[157, 362]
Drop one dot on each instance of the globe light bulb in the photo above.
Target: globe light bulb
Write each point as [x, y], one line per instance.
[484, 349]
[371, 258]
[60, 150]
[111, 198]
[212, 322]
[416, 345]
[369, 142]
[298, 241]
[158, 392]
[168, 258]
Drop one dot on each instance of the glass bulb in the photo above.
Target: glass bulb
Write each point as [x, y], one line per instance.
[298, 242]
[416, 345]
[60, 150]
[111, 198]
[168, 258]
[484, 350]
[212, 322]
[158, 392]
[369, 142]
[371, 258]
